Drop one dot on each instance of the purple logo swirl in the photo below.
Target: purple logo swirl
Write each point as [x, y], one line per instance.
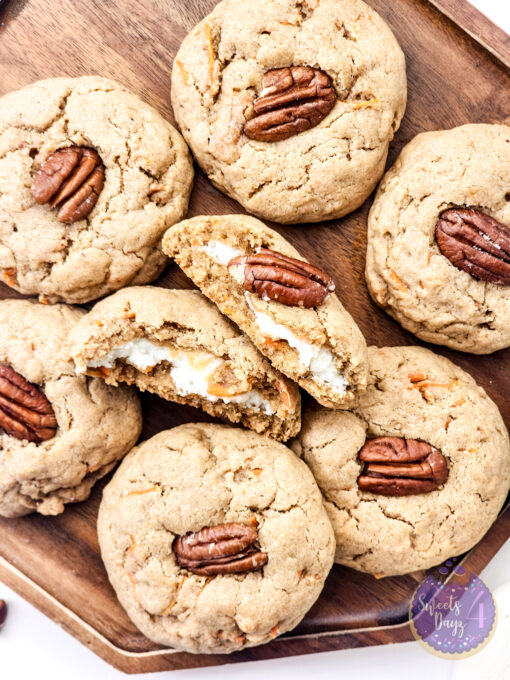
[456, 618]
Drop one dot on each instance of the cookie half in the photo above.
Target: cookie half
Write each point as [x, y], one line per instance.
[214, 538]
[59, 433]
[286, 306]
[417, 472]
[290, 109]
[176, 344]
[90, 178]
[438, 257]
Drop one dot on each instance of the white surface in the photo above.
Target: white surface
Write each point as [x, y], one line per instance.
[32, 646]
[497, 10]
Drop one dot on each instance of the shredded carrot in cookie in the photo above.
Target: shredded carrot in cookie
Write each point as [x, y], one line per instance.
[287, 398]
[257, 472]
[133, 544]
[448, 421]
[397, 281]
[100, 372]
[9, 276]
[459, 403]
[416, 377]
[212, 56]
[99, 323]
[254, 522]
[169, 608]
[367, 104]
[142, 491]
[277, 344]
[274, 631]
[425, 385]
[184, 73]
[155, 189]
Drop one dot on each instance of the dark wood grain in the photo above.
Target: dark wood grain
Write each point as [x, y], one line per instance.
[453, 79]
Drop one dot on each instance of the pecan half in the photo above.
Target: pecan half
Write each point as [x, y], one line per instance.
[284, 279]
[476, 243]
[71, 180]
[25, 413]
[401, 467]
[293, 100]
[223, 549]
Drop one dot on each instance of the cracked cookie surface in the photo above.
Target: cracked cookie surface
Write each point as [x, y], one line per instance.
[147, 186]
[176, 344]
[324, 172]
[320, 348]
[412, 394]
[406, 273]
[196, 476]
[96, 423]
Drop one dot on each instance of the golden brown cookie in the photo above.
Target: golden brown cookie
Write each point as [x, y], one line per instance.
[164, 526]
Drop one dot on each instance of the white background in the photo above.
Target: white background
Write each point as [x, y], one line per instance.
[32, 646]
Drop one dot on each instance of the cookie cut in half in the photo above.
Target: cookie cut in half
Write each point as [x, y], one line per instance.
[285, 305]
[177, 345]
[59, 433]
[417, 472]
[214, 538]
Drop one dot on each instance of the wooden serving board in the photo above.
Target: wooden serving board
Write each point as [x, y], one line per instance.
[455, 76]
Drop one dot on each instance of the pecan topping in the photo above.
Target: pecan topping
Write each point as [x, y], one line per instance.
[25, 413]
[476, 243]
[401, 467]
[284, 279]
[293, 100]
[223, 549]
[71, 180]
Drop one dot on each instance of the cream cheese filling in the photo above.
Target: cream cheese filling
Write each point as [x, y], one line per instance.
[191, 370]
[319, 360]
[220, 252]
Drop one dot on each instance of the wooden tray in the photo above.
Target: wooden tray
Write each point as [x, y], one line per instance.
[454, 78]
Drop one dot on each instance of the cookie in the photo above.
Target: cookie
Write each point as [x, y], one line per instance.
[127, 177]
[176, 344]
[414, 511]
[290, 109]
[214, 538]
[286, 307]
[433, 247]
[59, 433]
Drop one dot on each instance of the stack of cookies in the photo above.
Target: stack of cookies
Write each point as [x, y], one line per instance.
[216, 537]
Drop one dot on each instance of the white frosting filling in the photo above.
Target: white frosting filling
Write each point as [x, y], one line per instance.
[220, 252]
[191, 370]
[320, 361]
